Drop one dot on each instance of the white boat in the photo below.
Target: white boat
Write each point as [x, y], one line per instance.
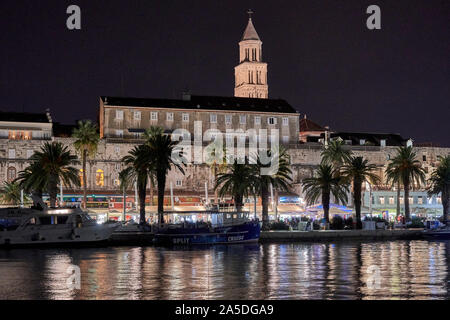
[59, 226]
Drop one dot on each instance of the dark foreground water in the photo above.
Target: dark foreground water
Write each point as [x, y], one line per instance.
[345, 270]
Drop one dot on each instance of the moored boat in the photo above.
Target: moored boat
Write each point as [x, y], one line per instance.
[47, 226]
[222, 228]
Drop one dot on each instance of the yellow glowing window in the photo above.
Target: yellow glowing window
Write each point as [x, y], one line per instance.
[99, 178]
[81, 177]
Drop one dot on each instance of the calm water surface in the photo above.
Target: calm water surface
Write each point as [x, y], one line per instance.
[407, 269]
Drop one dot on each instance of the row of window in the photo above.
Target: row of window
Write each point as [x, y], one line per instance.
[12, 153]
[420, 200]
[256, 54]
[212, 118]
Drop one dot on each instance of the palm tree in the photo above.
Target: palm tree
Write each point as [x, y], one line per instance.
[86, 142]
[237, 182]
[50, 166]
[161, 148]
[358, 170]
[404, 168]
[440, 183]
[138, 168]
[33, 180]
[335, 154]
[279, 180]
[217, 166]
[10, 194]
[327, 181]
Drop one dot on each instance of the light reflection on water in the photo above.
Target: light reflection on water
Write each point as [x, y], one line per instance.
[408, 270]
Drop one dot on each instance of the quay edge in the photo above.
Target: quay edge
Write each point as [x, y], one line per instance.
[338, 235]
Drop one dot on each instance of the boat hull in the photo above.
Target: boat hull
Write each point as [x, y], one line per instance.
[248, 232]
[57, 236]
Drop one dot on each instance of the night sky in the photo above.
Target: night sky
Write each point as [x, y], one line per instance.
[322, 58]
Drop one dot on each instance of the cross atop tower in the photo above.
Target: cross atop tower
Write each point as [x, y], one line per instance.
[250, 12]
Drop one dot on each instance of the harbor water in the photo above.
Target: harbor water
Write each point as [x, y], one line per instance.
[339, 270]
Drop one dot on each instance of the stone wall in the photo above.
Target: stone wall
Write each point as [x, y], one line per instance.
[304, 159]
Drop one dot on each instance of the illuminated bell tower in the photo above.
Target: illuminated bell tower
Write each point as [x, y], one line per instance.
[251, 73]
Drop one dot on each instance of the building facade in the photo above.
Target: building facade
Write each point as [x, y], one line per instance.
[127, 118]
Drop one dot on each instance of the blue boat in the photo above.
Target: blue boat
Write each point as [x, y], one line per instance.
[221, 228]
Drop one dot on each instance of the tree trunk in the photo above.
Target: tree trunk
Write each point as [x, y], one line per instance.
[161, 177]
[326, 207]
[407, 212]
[357, 184]
[52, 190]
[398, 199]
[84, 179]
[445, 204]
[265, 206]
[216, 198]
[151, 192]
[142, 188]
[238, 202]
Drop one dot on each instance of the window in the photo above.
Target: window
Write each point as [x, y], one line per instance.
[154, 116]
[116, 182]
[119, 133]
[213, 118]
[137, 115]
[391, 200]
[185, 117]
[117, 150]
[12, 153]
[383, 142]
[178, 183]
[242, 139]
[285, 139]
[117, 166]
[381, 200]
[424, 157]
[229, 138]
[99, 178]
[169, 116]
[362, 142]
[242, 119]
[272, 120]
[228, 118]
[80, 174]
[11, 174]
[19, 135]
[411, 200]
[285, 121]
[137, 135]
[438, 200]
[29, 153]
[419, 200]
[119, 114]
[257, 120]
